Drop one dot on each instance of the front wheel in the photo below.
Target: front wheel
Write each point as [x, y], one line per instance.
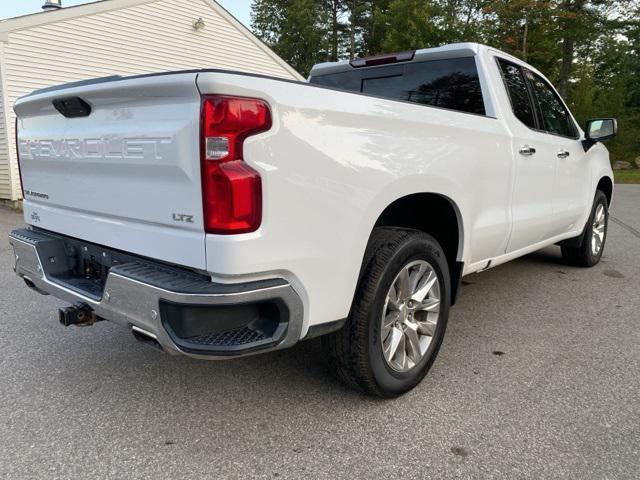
[398, 317]
[590, 250]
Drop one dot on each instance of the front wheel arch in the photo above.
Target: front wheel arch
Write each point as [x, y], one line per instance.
[605, 185]
[578, 251]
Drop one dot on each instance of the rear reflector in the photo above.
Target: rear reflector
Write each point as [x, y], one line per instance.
[231, 189]
[383, 59]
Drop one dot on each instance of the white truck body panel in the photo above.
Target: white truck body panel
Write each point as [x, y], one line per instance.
[118, 176]
[330, 165]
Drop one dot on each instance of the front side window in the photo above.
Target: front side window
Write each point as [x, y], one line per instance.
[518, 93]
[555, 117]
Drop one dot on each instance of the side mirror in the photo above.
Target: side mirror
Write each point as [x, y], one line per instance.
[599, 130]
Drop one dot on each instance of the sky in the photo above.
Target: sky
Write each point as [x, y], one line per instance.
[14, 8]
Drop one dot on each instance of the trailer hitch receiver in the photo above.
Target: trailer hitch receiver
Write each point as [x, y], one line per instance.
[80, 315]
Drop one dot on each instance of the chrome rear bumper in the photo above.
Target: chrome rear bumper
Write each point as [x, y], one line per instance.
[165, 303]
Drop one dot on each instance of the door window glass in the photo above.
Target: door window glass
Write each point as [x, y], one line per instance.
[555, 117]
[518, 93]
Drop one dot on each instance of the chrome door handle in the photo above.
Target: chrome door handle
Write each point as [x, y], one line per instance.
[527, 150]
[563, 154]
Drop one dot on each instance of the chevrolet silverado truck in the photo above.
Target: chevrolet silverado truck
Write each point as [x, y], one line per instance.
[218, 214]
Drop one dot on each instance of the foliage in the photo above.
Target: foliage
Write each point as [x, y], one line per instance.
[295, 29]
[590, 49]
[627, 176]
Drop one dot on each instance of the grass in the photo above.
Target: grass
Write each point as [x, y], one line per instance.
[627, 176]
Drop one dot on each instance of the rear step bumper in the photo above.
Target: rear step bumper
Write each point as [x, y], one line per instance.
[183, 312]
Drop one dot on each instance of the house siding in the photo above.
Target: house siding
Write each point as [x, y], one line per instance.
[151, 37]
[5, 164]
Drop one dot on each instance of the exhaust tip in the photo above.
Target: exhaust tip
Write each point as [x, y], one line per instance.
[146, 337]
[33, 286]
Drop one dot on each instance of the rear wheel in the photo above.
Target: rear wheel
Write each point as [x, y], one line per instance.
[590, 250]
[398, 317]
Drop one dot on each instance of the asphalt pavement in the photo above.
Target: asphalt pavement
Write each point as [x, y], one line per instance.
[538, 377]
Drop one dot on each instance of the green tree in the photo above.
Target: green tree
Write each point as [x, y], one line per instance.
[337, 27]
[460, 19]
[632, 33]
[523, 28]
[296, 30]
[360, 14]
[410, 24]
[369, 18]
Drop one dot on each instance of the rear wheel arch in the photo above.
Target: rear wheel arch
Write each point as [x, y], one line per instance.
[436, 215]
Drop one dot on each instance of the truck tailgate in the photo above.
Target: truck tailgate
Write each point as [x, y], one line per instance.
[127, 175]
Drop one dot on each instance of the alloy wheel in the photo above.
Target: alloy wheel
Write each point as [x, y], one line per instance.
[598, 230]
[410, 315]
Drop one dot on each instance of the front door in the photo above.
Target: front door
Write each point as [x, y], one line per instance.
[571, 193]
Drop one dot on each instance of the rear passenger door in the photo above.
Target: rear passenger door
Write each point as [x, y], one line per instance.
[535, 164]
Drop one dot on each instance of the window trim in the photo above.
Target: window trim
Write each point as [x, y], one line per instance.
[534, 95]
[534, 110]
[535, 107]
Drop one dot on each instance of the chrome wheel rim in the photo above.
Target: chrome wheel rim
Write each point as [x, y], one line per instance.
[410, 315]
[598, 230]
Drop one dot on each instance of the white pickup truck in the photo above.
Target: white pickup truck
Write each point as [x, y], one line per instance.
[219, 214]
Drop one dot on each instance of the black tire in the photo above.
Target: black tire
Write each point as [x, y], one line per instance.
[355, 351]
[583, 255]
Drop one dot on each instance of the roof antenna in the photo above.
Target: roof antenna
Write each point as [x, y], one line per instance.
[52, 5]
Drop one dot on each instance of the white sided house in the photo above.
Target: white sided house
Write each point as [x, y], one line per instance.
[116, 37]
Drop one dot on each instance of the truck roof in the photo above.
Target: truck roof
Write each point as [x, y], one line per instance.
[453, 50]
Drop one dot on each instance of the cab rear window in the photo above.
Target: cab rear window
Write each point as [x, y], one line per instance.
[450, 83]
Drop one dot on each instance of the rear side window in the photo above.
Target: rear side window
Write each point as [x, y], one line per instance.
[555, 117]
[451, 83]
[518, 93]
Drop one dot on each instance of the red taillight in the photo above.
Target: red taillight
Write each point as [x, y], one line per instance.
[231, 189]
[18, 158]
